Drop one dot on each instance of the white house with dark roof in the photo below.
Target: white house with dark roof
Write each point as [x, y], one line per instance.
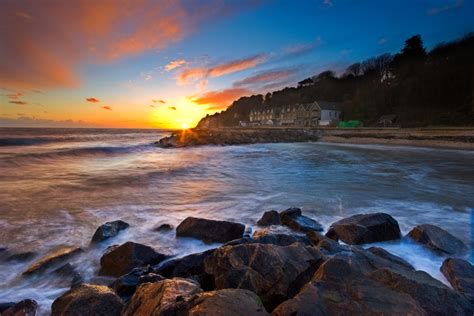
[330, 112]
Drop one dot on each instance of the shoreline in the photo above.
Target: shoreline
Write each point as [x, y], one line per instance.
[448, 138]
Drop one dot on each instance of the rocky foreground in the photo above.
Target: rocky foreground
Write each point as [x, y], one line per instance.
[285, 267]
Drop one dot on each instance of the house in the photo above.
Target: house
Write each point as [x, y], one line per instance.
[387, 120]
[330, 112]
[266, 116]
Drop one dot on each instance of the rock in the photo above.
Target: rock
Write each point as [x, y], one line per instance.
[336, 289]
[122, 259]
[366, 228]
[164, 228]
[161, 298]
[7, 305]
[278, 235]
[269, 218]
[126, 285]
[388, 256]
[109, 230]
[209, 231]
[324, 243]
[432, 295]
[69, 273]
[229, 302]
[273, 272]
[460, 274]
[87, 299]
[51, 259]
[23, 308]
[189, 267]
[293, 218]
[21, 256]
[437, 239]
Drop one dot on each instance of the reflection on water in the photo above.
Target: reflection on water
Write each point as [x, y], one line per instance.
[59, 185]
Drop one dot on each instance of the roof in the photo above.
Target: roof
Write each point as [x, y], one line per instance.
[329, 105]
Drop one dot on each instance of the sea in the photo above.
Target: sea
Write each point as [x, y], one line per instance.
[59, 185]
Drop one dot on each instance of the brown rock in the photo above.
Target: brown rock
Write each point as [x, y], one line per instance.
[294, 219]
[325, 243]
[272, 272]
[165, 297]
[269, 218]
[210, 231]
[108, 230]
[51, 259]
[278, 235]
[23, 308]
[460, 274]
[387, 255]
[122, 259]
[87, 299]
[229, 302]
[365, 228]
[437, 239]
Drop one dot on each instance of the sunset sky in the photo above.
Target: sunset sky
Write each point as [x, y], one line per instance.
[166, 64]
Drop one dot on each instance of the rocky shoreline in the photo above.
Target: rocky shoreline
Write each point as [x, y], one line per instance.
[442, 138]
[286, 266]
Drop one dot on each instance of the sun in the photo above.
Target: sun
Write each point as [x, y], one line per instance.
[185, 126]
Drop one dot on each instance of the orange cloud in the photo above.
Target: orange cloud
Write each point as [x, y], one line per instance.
[265, 77]
[18, 102]
[199, 73]
[106, 107]
[92, 100]
[172, 108]
[159, 101]
[14, 96]
[221, 99]
[43, 43]
[175, 64]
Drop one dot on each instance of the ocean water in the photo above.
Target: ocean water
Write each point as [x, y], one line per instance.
[59, 185]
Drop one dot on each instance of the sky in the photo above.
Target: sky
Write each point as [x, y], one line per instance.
[168, 63]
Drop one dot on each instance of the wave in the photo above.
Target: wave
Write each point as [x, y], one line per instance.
[4, 142]
[22, 158]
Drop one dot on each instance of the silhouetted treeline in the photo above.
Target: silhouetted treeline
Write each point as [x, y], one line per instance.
[422, 88]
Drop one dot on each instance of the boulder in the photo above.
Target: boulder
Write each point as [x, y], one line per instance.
[432, 295]
[269, 218]
[337, 289]
[388, 256]
[324, 243]
[161, 298]
[209, 231]
[120, 260]
[87, 299]
[365, 228]
[23, 308]
[278, 235]
[437, 239]
[126, 285]
[273, 272]
[70, 274]
[229, 302]
[51, 259]
[294, 219]
[460, 274]
[20, 256]
[189, 267]
[163, 228]
[109, 230]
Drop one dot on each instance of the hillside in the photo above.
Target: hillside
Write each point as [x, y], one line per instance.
[434, 88]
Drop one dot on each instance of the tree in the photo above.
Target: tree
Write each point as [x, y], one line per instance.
[354, 69]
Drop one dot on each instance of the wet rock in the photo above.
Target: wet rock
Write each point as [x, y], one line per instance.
[432, 295]
[388, 256]
[109, 230]
[87, 299]
[126, 285]
[269, 218]
[23, 308]
[165, 297]
[21, 256]
[365, 228]
[460, 274]
[163, 228]
[272, 272]
[69, 273]
[278, 235]
[209, 231]
[7, 305]
[53, 258]
[337, 289]
[324, 243]
[229, 302]
[120, 260]
[437, 239]
[294, 219]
